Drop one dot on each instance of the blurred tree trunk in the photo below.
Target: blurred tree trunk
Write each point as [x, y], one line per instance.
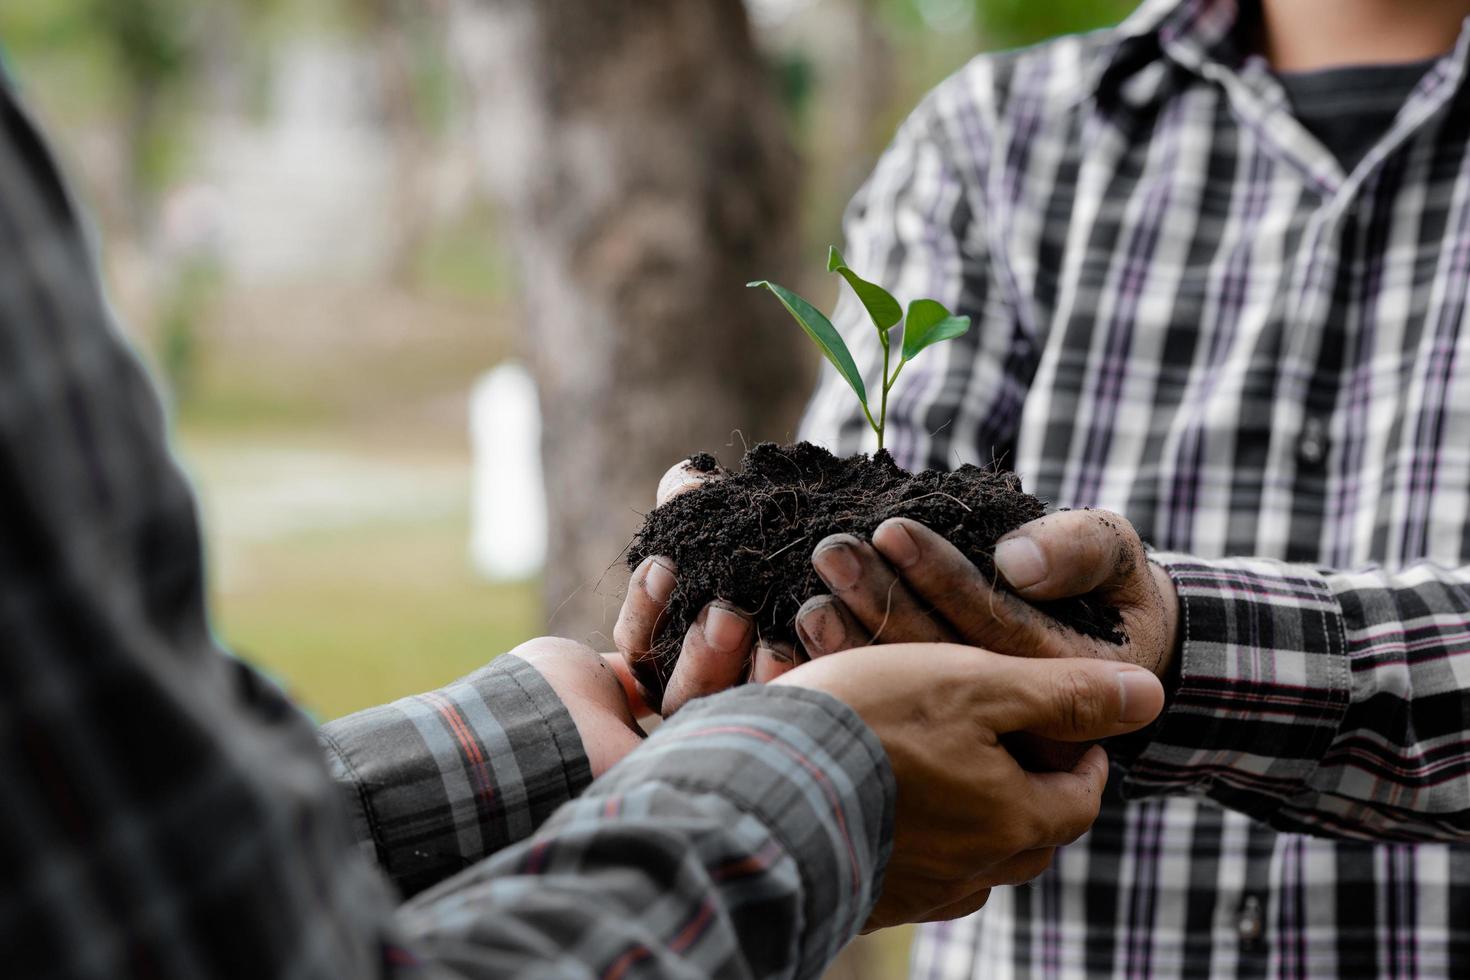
[643, 160]
[866, 93]
[393, 28]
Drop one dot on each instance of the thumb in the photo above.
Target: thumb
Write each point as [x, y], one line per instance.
[688, 474]
[592, 687]
[1068, 554]
[1075, 700]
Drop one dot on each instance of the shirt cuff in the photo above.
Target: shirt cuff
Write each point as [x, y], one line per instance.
[810, 770]
[437, 781]
[1264, 683]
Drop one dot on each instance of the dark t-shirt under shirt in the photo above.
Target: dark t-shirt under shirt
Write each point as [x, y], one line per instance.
[1350, 109]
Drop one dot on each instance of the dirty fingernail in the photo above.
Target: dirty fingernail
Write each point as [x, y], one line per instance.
[658, 582]
[897, 543]
[1020, 562]
[814, 626]
[724, 628]
[781, 653]
[838, 566]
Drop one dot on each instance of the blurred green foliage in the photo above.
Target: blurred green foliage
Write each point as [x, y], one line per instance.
[149, 37]
[154, 57]
[996, 24]
[185, 307]
[1007, 23]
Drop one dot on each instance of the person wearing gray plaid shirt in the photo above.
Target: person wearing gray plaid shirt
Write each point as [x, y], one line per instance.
[1219, 264]
[166, 813]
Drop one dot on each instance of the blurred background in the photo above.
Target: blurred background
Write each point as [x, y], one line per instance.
[437, 289]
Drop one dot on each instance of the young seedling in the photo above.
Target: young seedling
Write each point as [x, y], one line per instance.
[927, 323]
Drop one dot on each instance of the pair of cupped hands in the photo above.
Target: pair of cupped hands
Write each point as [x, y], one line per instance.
[955, 675]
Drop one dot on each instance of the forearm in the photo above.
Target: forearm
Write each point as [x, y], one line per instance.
[438, 781]
[746, 838]
[1330, 703]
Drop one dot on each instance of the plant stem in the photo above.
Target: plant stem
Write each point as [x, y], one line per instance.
[883, 405]
[896, 372]
[888, 383]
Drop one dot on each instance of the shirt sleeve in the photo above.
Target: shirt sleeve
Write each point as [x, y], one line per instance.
[437, 781]
[747, 838]
[921, 226]
[1326, 702]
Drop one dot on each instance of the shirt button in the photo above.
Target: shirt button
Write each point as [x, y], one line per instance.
[1250, 921]
[1311, 445]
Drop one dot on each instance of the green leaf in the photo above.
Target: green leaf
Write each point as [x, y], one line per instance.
[929, 323]
[879, 303]
[820, 329]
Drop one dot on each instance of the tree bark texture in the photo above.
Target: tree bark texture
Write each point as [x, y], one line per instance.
[646, 173]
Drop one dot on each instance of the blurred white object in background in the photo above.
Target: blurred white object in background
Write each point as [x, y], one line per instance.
[508, 498]
[769, 13]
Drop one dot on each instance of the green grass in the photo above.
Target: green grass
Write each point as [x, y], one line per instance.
[465, 261]
[346, 617]
[353, 618]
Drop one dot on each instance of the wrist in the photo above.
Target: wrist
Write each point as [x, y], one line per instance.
[1167, 667]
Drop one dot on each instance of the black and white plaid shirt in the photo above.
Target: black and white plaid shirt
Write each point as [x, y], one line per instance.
[1187, 312]
[165, 813]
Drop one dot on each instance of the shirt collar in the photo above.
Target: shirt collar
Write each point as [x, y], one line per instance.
[1189, 32]
[1192, 33]
[1200, 36]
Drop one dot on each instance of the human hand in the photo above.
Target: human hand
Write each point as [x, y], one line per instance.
[720, 648]
[598, 693]
[968, 816]
[911, 585]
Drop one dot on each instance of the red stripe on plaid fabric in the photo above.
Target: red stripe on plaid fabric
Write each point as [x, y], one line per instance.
[806, 764]
[469, 746]
[687, 935]
[750, 865]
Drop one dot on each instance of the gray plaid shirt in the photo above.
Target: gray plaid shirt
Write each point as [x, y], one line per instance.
[1187, 312]
[165, 813]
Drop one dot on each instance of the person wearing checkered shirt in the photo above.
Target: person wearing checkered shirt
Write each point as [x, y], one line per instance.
[1220, 291]
[167, 813]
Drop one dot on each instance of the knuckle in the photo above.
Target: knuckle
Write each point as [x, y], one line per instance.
[1031, 865]
[631, 635]
[978, 901]
[1009, 635]
[951, 894]
[622, 635]
[1071, 819]
[1077, 820]
[1079, 701]
[692, 650]
[1117, 538]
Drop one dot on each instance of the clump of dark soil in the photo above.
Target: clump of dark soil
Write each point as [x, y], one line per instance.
[748, 538]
